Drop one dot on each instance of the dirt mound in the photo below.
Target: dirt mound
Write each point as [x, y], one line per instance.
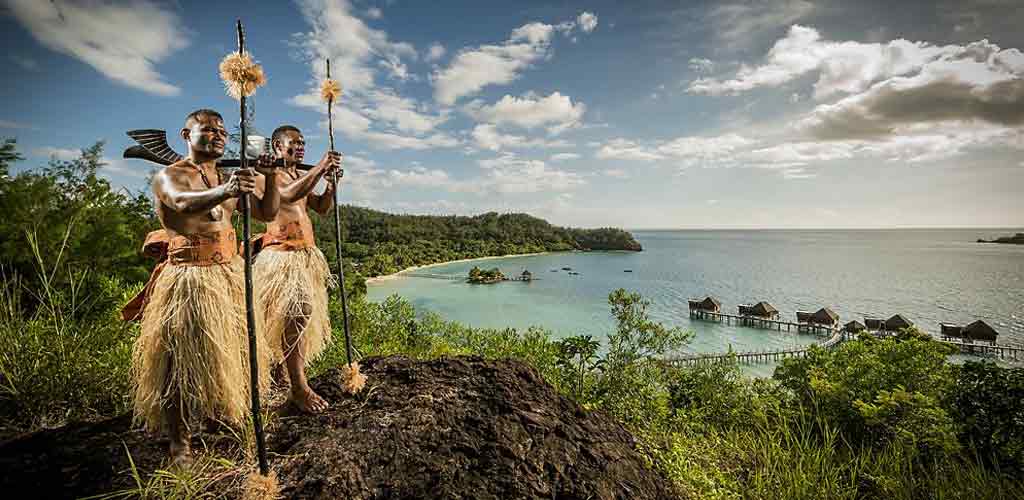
[460, 427]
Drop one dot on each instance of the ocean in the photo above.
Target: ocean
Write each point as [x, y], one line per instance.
[927, 275]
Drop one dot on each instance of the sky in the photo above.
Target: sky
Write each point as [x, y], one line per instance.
[643, 114]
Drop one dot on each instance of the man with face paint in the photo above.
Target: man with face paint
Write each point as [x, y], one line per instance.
[292, 272]
[191, 358]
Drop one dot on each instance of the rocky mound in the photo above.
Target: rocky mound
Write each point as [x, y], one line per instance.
[460, 427]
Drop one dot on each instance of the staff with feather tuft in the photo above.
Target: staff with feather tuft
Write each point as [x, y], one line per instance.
[242, 76]
[353, 381]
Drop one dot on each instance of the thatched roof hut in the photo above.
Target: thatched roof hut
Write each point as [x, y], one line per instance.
[825, 316]
[897, 322]
[803, 317]
[527, 275]
[874, 324]
[854, 327]
[761, 310]
[709, 304]
[950, 330]
[979, 330]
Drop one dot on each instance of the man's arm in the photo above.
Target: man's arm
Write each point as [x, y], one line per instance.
[301, 187]
[321, 203]
[267, 191]
[173, 190]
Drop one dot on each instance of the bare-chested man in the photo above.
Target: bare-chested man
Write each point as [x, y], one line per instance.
[292, 272]
[191, 359]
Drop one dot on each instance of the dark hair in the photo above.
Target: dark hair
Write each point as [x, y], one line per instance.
[193, 116]
[280, 131]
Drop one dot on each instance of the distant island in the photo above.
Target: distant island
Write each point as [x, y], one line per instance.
[480, 276]
[379, 243]
[1017, 239]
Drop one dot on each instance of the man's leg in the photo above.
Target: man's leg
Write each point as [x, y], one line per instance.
[302, 395]
[177, 428]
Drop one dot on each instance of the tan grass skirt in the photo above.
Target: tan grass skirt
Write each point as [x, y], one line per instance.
[194, 348]
[293, 288]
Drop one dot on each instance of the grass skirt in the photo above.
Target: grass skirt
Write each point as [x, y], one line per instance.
[194, 346]
[293, 287]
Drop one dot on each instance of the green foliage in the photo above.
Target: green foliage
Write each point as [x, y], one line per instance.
[835, 382]
[59, 363]
[988, 402]
[109, 226]
[912, 420]
[477, 275]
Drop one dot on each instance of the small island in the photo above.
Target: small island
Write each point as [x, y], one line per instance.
[485, 277]
[1017, 239]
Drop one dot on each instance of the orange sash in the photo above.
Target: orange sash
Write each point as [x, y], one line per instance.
[288, 237]
[203, 249]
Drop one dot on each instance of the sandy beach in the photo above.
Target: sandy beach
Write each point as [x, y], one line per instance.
[377, 279]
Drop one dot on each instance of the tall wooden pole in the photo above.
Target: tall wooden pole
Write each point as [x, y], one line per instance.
[337, 230]
[250, 309]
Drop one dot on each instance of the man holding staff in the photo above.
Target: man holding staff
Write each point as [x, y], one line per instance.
[292, 272]
[191, 360]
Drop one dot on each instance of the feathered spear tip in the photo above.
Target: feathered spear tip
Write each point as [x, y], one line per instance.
[330, 90]
[260, 487]
[351, 380]
[241, 75]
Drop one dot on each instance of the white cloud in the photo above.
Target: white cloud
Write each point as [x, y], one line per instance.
[555, 111]
[16, 125]
[420, 177]
[511, 174]
[693, 149]
[374, 13]
[487, 136]
[123, 41]
[472, 69]
[739, 24]
[57, 153]
[564, 157]
[26, 63]
[587, 21]
[617, 173]
[435, 52]
[369, 112]
[701, 65]
[625, 149]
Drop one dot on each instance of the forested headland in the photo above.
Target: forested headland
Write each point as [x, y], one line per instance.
[872, 418]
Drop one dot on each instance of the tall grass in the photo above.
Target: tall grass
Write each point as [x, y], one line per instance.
[68, 358]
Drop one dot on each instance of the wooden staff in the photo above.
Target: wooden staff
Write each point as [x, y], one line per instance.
[242, 83]
[354, 380]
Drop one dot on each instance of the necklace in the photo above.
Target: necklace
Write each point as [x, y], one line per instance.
[215, 212]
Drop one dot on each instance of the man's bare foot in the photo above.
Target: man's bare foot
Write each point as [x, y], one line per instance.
[307, 401]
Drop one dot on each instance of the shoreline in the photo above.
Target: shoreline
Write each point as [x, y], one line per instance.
[395, 275]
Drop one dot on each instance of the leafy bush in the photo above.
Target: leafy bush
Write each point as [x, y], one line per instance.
[988, 403]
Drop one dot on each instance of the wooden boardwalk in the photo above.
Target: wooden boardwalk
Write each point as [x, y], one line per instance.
[756, 322]
[1001, 351]
[748, 357]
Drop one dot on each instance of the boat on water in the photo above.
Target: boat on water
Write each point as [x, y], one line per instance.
[627, 270]
[567, 269]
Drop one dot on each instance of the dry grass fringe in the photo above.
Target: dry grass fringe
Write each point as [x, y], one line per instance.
[193, 346]
[330, 90]
[241, 75]
[260, 487]
[292, 286]
[352, 381]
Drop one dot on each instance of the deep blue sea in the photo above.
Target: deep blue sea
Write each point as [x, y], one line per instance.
[928, 275]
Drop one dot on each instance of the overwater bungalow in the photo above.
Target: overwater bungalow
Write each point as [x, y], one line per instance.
[854, 327]
[803, 317]
[874, 324]
[709, 304]
[526, 276]
[980, 330]
[950, 331]
[897, 322]
[761, 310]
[825, 317]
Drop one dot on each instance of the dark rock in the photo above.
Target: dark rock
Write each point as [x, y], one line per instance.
[461, 427]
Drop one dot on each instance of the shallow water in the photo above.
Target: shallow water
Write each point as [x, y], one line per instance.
[928, 275]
